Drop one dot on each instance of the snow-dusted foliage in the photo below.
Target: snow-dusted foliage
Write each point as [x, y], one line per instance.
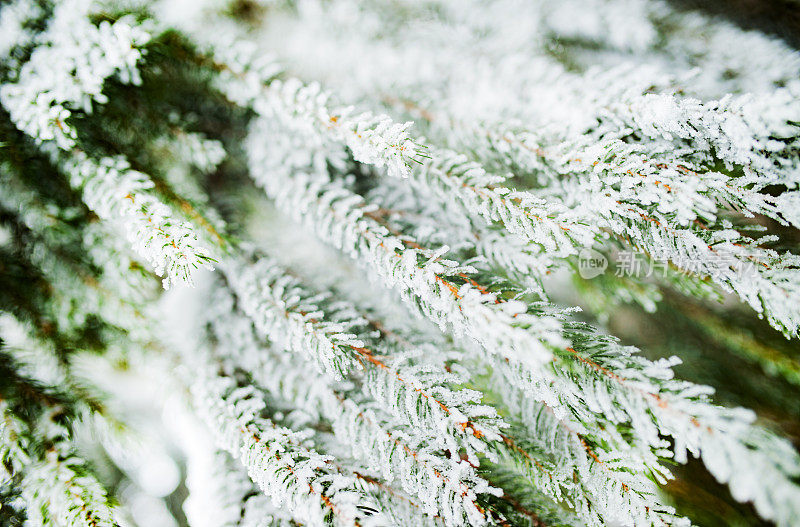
[466, 254]
[57, 485]
[67, 69]
[65, 74]
[63, 493]
[276, 458]
[114, 191]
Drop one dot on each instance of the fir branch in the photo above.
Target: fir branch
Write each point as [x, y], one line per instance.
[221, 494]
[373, 140]
[645, 139]
[285, 470]
[442, 289]
[41, 98]
[406, 380]
[61, 491]
[281, 309]
[114, 191]
[560, 387]
[59, 487]
[446, 486]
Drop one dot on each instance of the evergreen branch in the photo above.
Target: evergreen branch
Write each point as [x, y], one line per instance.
[617, 485]
[614, 475]
[446, 486]
[69, 70]
[221, 494]
[442, 289]
[512, 258]
[290, 474]
[39, 102]
[114, 191]
[77, 294]
[58, 487]
[61, 491]
[373, 140]
[409, 380]
[557, 130]
[449, 175]
[655, 201]
[281, 309]
[558, 387]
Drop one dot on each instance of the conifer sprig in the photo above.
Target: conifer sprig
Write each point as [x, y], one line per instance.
[133, 141]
